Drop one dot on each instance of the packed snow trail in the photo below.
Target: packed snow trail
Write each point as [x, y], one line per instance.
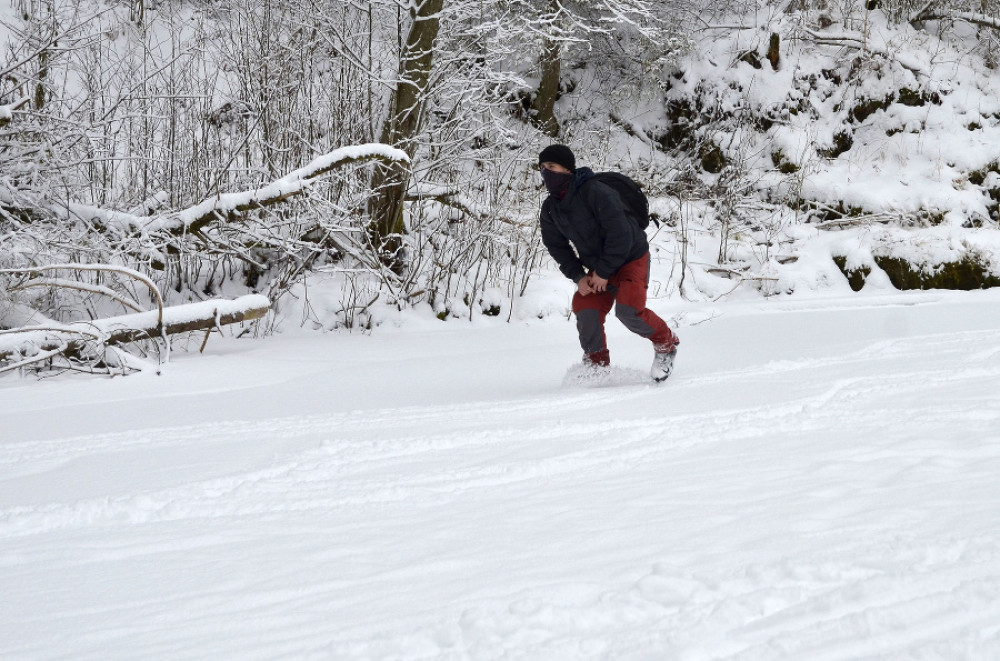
[816, 481]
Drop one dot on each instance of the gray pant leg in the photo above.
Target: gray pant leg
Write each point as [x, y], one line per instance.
[588, 324]
[629, 316]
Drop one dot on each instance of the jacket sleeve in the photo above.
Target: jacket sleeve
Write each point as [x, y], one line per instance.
[616, 230]
[559, 246]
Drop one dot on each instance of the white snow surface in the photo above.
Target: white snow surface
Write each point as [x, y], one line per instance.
[817, 480]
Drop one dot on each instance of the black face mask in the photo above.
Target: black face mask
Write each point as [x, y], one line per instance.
[557, 183]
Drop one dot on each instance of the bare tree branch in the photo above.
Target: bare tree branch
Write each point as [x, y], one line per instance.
[100, 267]
[79, 286]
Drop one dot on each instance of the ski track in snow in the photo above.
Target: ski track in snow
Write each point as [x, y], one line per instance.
[831, 507]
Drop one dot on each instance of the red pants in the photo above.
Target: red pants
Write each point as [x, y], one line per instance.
[627, 294]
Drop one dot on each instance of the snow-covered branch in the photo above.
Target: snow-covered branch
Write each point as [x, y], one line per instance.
[60, 348]
[857, 41]
[456, 199]
[181, 318]
[98, 267]
[294, 183]
[194, 218]
[79, 286]
[25, 346]
[7, 111]
[931, 13]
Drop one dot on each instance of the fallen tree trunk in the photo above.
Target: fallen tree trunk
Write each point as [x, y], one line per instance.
[29, 345]
[183, 318]
[931, 12]
[219, 208]
[230, 205]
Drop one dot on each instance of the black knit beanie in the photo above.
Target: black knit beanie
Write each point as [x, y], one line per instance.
[560, 154]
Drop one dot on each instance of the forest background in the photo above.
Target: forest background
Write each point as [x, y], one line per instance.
[353, 160]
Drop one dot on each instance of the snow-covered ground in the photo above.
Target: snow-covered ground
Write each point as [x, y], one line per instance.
[818, 480]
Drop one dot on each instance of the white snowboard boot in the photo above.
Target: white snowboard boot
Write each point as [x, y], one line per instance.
[663, 364]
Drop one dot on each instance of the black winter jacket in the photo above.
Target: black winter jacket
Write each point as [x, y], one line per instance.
[591, 218]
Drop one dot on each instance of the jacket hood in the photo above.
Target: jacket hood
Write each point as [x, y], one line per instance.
[580, 177]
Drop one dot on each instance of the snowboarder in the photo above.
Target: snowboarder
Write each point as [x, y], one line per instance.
[599, 246]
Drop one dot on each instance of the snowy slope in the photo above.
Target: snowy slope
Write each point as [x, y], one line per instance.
[817, 481]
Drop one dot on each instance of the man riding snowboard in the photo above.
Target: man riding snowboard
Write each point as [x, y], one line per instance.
[599, 246]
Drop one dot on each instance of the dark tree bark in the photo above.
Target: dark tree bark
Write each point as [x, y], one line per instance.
[400, 130]
[773, 51]
[543, 104]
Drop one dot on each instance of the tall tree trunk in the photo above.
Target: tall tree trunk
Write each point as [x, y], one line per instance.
[400, 130]
[543, 104]
[550, 64]
[991, 51]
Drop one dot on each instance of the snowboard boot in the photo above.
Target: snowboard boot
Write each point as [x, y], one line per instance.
[663, 362]
[594, 370]
[597, 359]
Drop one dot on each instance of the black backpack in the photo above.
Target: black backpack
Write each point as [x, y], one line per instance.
[631, 195]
